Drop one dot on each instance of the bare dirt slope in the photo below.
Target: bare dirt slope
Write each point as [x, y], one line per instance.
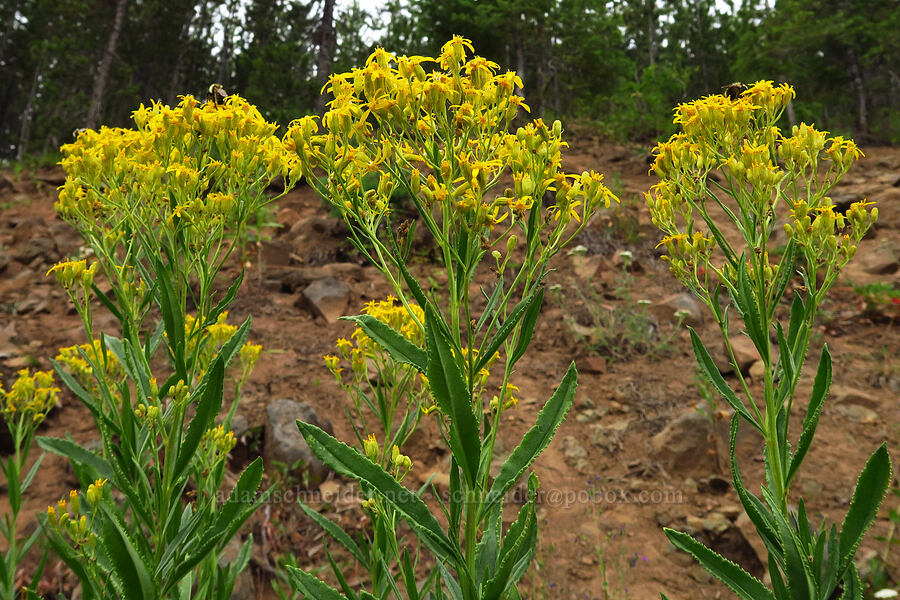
[634, 455]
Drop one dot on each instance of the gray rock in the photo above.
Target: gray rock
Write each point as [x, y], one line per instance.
[880, 260]
[844, 394]
[682, 304]
[575, 454]
[716, 522]
[283, 440]
[609, 435]
[327, 298]
[689, 445]
[858, 414]
[590, 415]
[572, 449]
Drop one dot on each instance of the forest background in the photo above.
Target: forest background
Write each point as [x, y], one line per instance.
[616, 66]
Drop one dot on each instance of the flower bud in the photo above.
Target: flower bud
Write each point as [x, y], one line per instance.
[370, 445]
[95, 492]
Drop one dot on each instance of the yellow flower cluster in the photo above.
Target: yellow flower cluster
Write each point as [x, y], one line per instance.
[761, 167]
[361, 348]
[399, 464]
[507, 397]
[440, 136]
[31, 397]
[71, 272]
[218, 442]
[830, 235]
[212, 338]
[73, 360]
[196, 167]
[76, 525]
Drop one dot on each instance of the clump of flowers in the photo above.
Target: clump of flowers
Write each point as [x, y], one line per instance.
[30, 398]
[24, 406]
[441, 136]
[182, 183]
[439, 132]
[78, 361]
[765, 173]
[769, 184]
[162, 206]
[376, 383]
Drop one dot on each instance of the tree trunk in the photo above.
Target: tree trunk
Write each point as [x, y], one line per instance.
[183, 38]
[324, 61]
[93, 115]
[25, 128]
[651, 32]
[225, 53]
[789, 111]
[861, 96]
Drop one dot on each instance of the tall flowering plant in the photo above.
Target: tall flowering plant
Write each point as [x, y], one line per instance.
[767, 182]
[437, 130]
[24, 407]
[161, 206]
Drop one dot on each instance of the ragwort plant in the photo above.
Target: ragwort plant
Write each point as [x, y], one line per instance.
[24, 407]
[443, 138]
[162, 207]
[765, 173]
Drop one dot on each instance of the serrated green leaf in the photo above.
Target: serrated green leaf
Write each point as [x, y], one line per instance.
[311, 586]
[173, 317]
[810, 422]
[738, 580]
[74, 452]
[127, 561]
[871, 488]
[453, 586]
[504, 331]
[401, 349]
[745, 302]
[448, 386]
[527, 330]
[209, 406]
[797, 570]
[535, 441]
[518, 544]
[853, 588]
[708, 367]
[348, 461]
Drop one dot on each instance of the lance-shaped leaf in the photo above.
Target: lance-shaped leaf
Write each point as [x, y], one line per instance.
[738, 580]
[709, 368]
[503, 332]
[347, 461]
[867, 498]
[448, 385]
[535, 441]
[811, 421]
[401, 349]
[311, 586]
[207, 409]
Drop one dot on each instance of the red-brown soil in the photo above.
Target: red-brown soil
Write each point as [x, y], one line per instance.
[607, 488]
